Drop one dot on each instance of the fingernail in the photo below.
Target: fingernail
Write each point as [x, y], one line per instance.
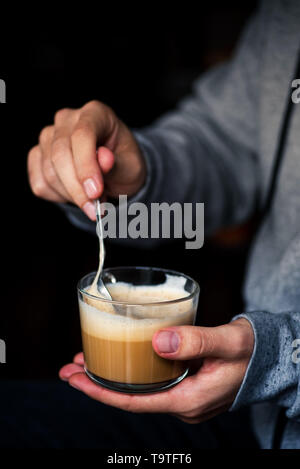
[91, 188]
[167, 341]
[89, 210]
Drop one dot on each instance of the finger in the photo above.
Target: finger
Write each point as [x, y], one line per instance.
[106, 159]
[84, 141]
[45, 141]
[68, 370]
[66, 117]
[38, 183]
[91, 126]
[166, 401]
[62, 159]
[230, 341]
[52, 178]
[79, 359]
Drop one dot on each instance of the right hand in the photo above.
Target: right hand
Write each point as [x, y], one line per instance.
[86, 154]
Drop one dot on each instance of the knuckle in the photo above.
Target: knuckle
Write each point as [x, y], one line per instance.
[82, 131]
[33, 164]
[199, 345]
[203, 343]
[61, 115]
[38, 187]
[50, 174]
[45, 134]
[32, 154]
[193, 342]
[91, 105]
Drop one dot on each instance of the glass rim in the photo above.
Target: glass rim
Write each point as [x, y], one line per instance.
[153, 303]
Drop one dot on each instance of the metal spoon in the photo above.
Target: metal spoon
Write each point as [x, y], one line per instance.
[98, 288]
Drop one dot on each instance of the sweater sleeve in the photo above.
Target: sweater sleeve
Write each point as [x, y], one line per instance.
[207, 149]
[273, 373]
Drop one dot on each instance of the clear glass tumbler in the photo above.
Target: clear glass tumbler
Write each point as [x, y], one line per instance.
[117, 335]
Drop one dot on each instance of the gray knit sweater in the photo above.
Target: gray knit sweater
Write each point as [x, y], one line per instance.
[218, 147]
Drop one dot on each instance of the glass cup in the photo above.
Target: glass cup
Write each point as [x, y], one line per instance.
[117, 335]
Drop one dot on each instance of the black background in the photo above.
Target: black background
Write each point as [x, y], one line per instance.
[140, 63]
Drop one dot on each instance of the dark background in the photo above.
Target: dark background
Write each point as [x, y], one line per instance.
[141, 64]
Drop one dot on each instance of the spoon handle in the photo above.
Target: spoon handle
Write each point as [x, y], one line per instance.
[99, 230]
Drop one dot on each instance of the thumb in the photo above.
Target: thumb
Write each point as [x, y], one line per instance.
[231, 341]
[106, 159]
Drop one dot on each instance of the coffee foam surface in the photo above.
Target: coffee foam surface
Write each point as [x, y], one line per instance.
[136, 322]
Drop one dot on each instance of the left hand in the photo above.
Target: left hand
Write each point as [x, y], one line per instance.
[225, 352]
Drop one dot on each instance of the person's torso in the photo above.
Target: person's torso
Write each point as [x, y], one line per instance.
[273, 277]
[273, 280]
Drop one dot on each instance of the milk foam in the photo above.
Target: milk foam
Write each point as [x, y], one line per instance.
[102, 319]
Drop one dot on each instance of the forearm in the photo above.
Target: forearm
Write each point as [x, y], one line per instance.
[207, 149]
[186, 165]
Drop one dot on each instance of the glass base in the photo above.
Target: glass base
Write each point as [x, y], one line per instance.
[135, 388]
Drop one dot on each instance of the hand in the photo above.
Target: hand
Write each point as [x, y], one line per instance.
[68, 166]
[225, 350]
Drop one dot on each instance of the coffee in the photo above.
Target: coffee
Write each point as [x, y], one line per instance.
[117, 339]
